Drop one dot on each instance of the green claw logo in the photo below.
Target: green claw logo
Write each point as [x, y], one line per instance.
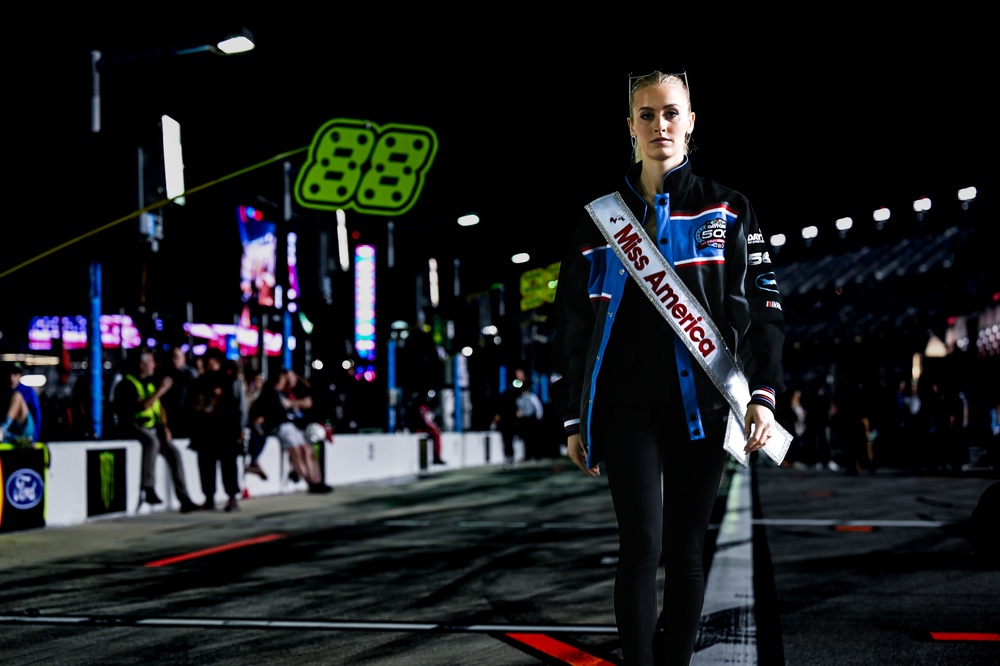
[355, 164]
[107, 466]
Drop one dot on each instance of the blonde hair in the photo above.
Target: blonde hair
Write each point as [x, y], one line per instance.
[657, 78]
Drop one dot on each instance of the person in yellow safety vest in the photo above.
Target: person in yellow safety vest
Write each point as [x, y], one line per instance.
[141, 416]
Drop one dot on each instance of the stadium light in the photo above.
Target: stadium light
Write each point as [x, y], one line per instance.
[232, 44]
[844, 224]
[965, 195]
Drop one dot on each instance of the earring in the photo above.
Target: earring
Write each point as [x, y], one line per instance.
[633, 140]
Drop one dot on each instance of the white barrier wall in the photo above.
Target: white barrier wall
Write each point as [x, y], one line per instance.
[349, 459]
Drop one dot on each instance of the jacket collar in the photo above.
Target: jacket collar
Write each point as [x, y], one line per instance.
[677, 180]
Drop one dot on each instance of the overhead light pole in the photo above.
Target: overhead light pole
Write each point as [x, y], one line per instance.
[231, 44]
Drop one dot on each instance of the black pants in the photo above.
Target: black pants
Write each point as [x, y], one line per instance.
[226, 459]
[663, 486]
[508, 443]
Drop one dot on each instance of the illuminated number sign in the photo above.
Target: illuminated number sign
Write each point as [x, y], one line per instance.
[538, 286]
[355, 164]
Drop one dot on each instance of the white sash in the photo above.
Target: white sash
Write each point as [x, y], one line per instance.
[671, 297]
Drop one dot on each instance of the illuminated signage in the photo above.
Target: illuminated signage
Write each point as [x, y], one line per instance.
[364, 308]
[228, 336]
[260, 256]
[355, 164]
[117, 330]
[538, 286]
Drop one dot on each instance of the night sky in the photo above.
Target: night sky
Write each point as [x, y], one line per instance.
[530, 123]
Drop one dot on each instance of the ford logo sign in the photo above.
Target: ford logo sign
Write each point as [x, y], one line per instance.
[24, 489]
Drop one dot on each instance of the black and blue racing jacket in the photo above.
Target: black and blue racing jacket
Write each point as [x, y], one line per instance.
[710, 236]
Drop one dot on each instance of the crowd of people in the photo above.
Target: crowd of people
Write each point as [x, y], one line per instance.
[226, 418]
[928, 425]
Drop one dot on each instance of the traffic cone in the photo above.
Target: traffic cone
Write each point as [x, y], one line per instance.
[246, 493]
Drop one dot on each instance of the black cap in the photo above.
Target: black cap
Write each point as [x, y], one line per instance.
[13, 368]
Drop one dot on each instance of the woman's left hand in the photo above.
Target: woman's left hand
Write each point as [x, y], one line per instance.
[759, 424]
[577, 452]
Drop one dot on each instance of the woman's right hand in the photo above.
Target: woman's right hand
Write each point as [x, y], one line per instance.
[577, 452]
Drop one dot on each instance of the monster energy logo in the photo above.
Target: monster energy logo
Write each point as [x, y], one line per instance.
[107, 467]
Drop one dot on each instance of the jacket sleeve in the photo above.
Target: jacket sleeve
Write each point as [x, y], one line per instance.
[766, 332]
[574, 326]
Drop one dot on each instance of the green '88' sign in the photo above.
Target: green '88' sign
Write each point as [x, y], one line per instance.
[355, 164]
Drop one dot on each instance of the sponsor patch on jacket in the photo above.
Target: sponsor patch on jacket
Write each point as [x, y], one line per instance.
[767, 282]
[711, 234]
[758, 258]
[756, 237]
[773, 304]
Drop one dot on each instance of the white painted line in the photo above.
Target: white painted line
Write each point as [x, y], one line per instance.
[215, 623]
[826, 522]
[37, 619]
[729, 590]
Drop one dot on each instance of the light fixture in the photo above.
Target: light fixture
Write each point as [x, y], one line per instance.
[240, 42]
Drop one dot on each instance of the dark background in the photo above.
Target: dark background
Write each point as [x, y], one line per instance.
[812, 121]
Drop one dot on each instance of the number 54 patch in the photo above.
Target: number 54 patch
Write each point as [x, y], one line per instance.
[355, 164]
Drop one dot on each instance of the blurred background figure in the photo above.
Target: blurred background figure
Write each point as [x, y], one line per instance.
[178, 399]
[793, 416]
[505, 418]
[530, 412]
[21, 418]
[141, 416]
[993, 447]
[276, 412]
[419, 417]
[817, 435]
[256, 438]
[852, 431]
[219, 427]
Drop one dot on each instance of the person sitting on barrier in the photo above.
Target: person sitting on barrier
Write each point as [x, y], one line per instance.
[141, 416]
[20, 421]
[275, 412]
[256, 439]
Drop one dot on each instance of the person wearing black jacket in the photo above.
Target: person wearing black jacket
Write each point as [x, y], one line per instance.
[219, 427]
[636, 400]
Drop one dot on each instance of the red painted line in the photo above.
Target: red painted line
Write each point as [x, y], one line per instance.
[553, 648]
[854, 528]
[217, 549]
[963, 636]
